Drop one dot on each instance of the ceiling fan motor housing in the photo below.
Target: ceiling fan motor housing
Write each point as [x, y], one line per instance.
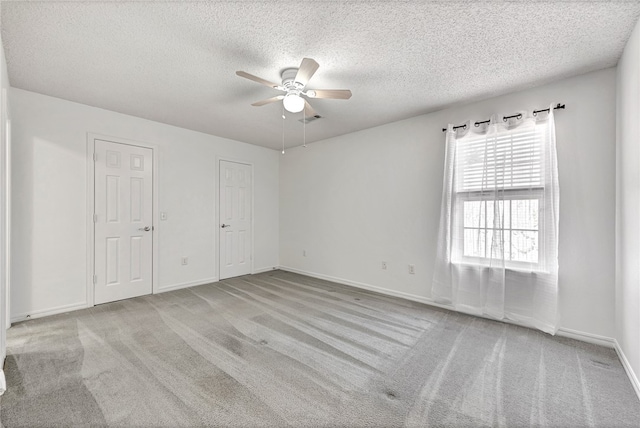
[289, 83]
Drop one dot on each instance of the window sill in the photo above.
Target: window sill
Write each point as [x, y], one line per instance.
[516, 269]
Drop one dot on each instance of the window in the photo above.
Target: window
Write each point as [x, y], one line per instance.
[498, 197]
[516, 232]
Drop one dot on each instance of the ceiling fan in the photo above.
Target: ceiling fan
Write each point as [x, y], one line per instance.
[294, 81]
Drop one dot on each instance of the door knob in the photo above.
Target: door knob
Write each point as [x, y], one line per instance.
[225, 225]
[145, 229]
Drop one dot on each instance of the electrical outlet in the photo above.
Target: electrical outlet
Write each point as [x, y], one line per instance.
[163, 215]
[304, 253]
[412, 269]
[384, 266]
[185, 261]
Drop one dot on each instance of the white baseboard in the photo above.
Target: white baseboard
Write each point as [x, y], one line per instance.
[262, 270]
[205, 281]
[50, 311]
[186, 285]
[627, 367]
[364, 286]
[565, 332]
[83, 305]
[605, 341]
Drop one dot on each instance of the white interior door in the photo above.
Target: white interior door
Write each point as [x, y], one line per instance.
[235, 219]
[123, 221]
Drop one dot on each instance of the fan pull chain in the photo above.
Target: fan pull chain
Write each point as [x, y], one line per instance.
[304, 127]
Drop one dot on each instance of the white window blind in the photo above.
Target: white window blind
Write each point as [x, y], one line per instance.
[503, 161]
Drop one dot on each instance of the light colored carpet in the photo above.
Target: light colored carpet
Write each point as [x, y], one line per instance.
[280, 349]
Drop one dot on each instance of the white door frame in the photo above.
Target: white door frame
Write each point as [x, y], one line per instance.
[5, 230]
[7, 220]
[217, 209]
[91, 147]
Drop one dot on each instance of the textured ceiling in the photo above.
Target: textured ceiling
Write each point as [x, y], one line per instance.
[175, 62]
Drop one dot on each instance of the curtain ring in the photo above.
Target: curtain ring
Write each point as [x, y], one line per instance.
[517, 116]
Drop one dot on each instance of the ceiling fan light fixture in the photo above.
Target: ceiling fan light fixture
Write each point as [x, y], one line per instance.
[293, 103]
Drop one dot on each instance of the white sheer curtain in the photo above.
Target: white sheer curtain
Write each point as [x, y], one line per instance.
[498, 239]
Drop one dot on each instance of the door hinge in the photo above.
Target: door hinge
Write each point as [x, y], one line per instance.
[95, 279]
[95, 157]
[95, 218]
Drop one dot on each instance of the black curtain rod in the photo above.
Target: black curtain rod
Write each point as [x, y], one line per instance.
[505, 118]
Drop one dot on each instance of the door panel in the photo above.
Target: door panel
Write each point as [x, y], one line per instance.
[235, 215]
[123, 208]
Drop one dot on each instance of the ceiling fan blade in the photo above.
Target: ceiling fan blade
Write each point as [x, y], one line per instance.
[268, 101]
[335, 94]
[308, 110]
[307, 68]
[257, 79]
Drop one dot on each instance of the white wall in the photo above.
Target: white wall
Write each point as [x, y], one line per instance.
[4, 115]
[628, 204]
[356, 200]
[49, 211]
